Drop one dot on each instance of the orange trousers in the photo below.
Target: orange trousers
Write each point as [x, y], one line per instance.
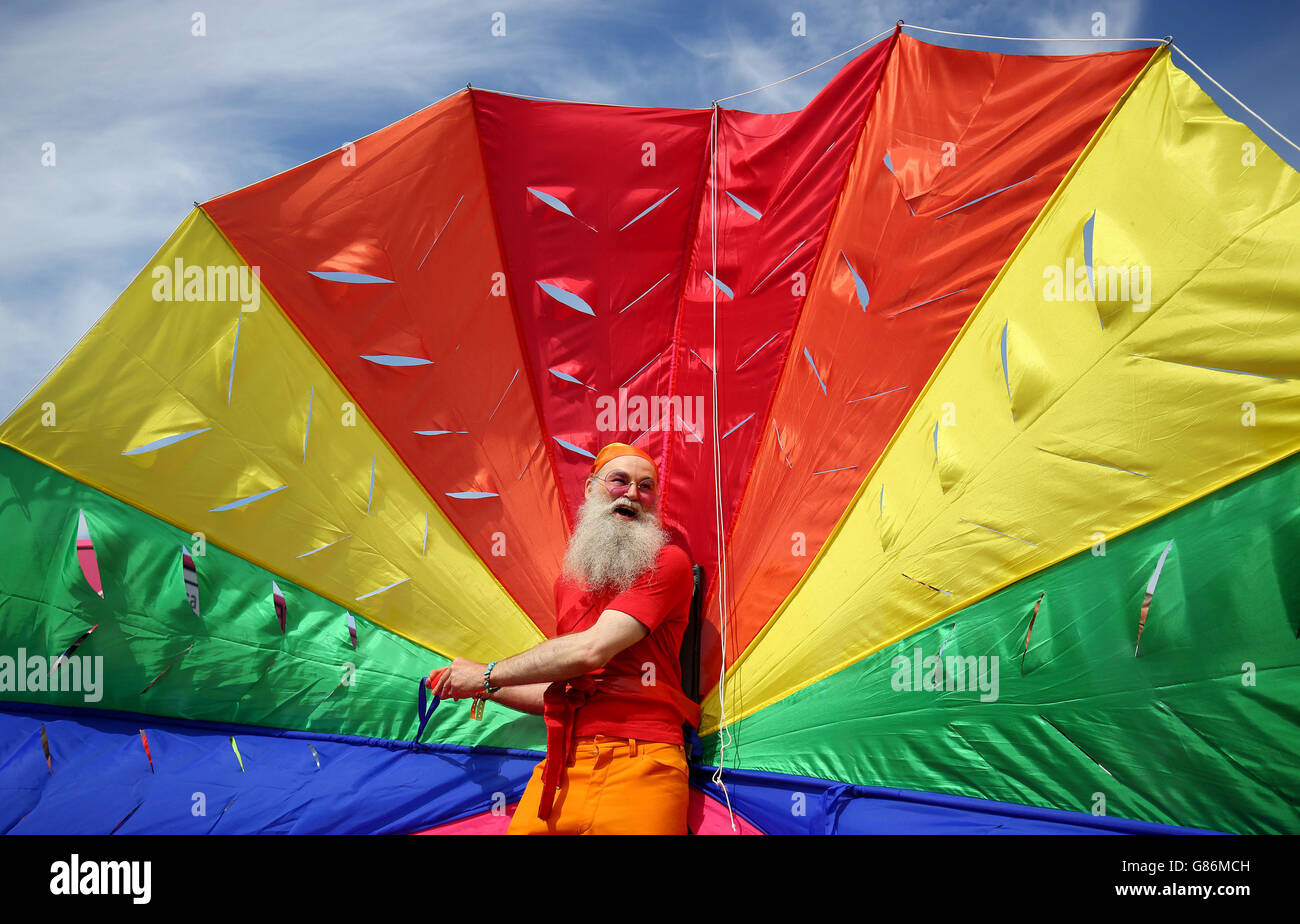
[615, 786]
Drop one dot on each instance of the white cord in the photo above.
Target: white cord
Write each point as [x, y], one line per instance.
[724, 737]
[545, 99]
[1015, 38]
[814, 67]
[1233, 98]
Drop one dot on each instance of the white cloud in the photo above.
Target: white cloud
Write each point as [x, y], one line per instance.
[148, 118]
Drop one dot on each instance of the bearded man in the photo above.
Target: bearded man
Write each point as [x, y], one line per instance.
[609, 684]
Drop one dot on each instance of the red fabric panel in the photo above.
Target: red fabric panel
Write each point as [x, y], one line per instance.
[487, 823]
[606, 164]
[416, 182]
[706, 815]
[1008, 118]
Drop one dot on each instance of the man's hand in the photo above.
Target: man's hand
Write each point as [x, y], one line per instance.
[461, 679]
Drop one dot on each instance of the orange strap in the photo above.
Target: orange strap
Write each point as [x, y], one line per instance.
[561, 703]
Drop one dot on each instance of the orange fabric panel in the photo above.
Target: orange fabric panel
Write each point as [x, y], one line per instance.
[410, 204]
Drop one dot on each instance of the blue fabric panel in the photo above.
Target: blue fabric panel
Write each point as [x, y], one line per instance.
[780, 803]
[102, 780]
[363, 786]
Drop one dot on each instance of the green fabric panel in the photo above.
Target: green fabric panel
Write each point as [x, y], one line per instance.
[241, 668]
[1174, 735]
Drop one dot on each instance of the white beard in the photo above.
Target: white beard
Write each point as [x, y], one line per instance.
[609, 552]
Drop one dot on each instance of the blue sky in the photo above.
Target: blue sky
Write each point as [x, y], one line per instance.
[148, 118]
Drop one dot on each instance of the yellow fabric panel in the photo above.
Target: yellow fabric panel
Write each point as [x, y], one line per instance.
[1094, 429]
[151, 369]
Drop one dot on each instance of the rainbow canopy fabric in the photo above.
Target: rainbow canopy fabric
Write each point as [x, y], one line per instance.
[973, 386]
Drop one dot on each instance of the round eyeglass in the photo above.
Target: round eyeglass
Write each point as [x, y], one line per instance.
[618, 483]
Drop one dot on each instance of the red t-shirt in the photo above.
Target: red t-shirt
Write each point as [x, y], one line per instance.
[660, 600]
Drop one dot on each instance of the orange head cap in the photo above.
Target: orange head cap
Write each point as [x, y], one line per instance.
[614, 450]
